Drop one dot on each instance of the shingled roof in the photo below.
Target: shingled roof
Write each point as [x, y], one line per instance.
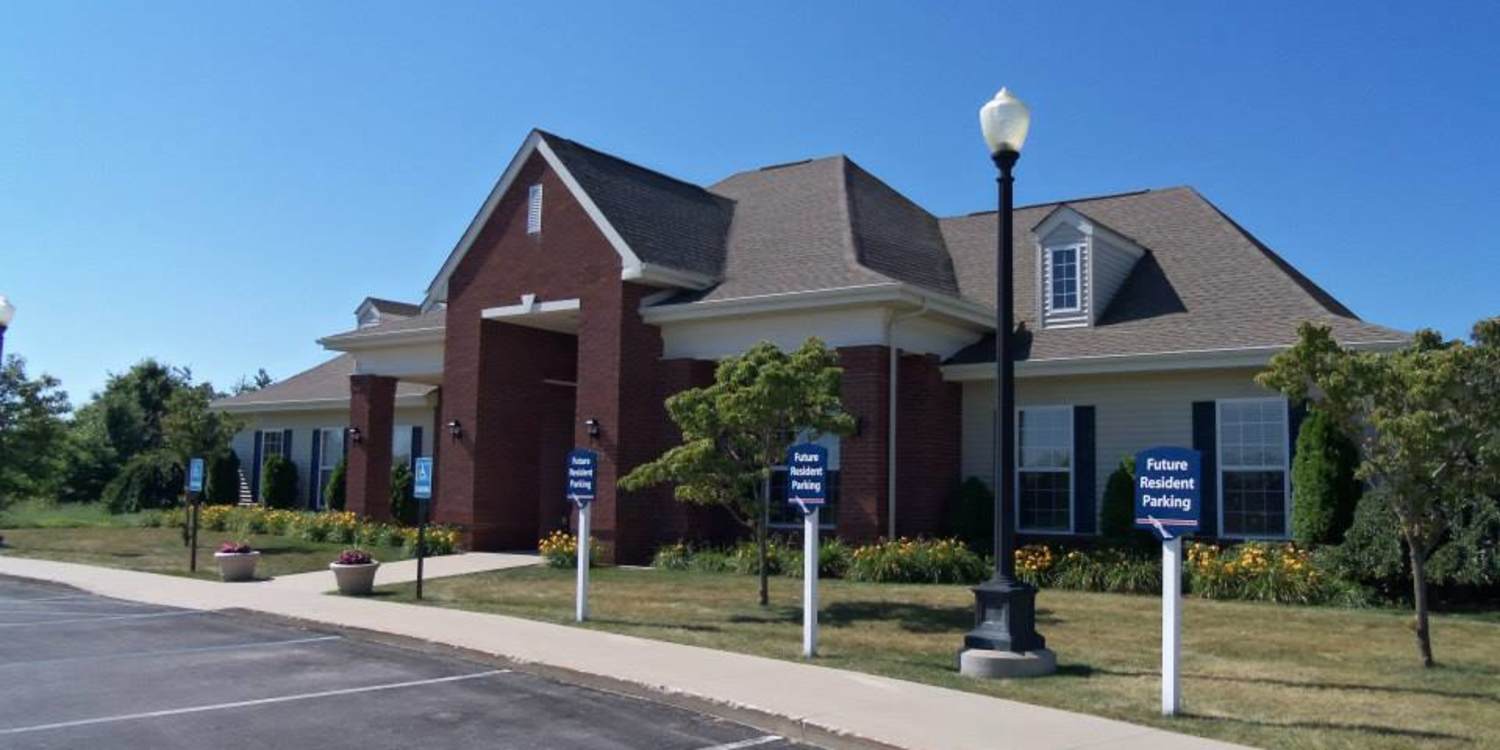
[324, 386]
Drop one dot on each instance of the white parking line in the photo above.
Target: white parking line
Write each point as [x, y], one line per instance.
[249, 703]
[73, 612]
[6, 599]
[173, 651]
[174, 613]
[752, 742]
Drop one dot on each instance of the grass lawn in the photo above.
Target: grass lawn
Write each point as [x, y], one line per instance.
[43, 514]
[1259, 674]
[162, 551]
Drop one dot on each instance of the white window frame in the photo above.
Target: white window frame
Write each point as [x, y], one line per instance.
[534, 209]
[326, 467]
[280, 434]
[1077, 250]
[1072, 475]
[1285, 468]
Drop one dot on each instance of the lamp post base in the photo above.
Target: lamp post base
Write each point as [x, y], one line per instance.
[1004, 617]
[1000, 665]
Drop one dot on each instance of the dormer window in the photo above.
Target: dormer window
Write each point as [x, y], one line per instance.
[1064, 278]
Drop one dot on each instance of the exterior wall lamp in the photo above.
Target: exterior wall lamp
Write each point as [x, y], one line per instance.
[354, 434]
[455, 429]
[592, 425]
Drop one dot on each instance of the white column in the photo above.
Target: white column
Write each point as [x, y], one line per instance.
[1171, 625]
[810, 583]
[582, 610]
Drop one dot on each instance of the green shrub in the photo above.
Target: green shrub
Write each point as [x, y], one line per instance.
[917, 561]
[403, 494]
[1324, 488]
[677, 556]
[745, 557]
[150, 480]
[833, 559]
[1117, 516]
[278, 482]
[711, 561]
[222, 486]
[334, 493]
[971, 515]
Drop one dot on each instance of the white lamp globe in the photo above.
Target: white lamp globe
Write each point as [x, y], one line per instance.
[7, 311]
[1004, 120]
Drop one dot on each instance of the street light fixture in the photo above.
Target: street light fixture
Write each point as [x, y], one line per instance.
[7, 314]
[1004, 641]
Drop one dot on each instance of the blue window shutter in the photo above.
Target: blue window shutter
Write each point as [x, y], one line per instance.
[312, 495]
[1295, 413]
[1084, 495]
[255, 468]
[1206, 442]
[416, 447]
[286, 444]
[344, 444]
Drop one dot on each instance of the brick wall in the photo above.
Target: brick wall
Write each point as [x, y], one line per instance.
[372, 406]
[928, 443]
[862, 468]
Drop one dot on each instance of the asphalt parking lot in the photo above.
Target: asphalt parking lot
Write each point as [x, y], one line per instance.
[78, 670]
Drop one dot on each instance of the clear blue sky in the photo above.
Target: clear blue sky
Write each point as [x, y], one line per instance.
[218, 185]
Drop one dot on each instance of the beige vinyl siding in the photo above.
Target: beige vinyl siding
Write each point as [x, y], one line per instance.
[302, 424]
[1111, 266]
[1132, 411]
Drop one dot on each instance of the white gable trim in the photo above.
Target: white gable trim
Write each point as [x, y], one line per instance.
[631, 267]
[1072, 217]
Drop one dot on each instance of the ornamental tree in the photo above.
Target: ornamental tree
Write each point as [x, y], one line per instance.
[1428, 420]
[735, 430]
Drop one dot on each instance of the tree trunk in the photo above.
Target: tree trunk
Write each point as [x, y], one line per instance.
[760, 540]
[1419, 600]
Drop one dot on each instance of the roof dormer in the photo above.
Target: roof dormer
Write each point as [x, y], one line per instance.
[1080, 265]
[373, 311]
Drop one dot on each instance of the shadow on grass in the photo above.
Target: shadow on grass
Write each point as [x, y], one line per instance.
[1415, 734]
[655, 625]
[913, 618]
[1083, 670]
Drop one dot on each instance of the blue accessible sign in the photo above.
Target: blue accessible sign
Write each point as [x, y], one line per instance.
[807, 475]
[422, 484]
[582, 467]
[1168, 491]
[195, 475]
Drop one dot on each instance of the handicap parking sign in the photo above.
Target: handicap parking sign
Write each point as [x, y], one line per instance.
[422, 486]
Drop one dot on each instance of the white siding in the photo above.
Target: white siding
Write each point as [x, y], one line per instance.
[1132, 412]
[1111, 266]
[303, 423]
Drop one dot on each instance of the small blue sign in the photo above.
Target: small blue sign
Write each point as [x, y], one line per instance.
[583, 466]
[1168, 491]
[807, 475]
[195, 475]
[422, 485]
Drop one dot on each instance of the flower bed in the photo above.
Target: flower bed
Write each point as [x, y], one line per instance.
[340, 527]
[560, 550]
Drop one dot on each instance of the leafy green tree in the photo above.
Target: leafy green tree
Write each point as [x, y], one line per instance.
[1325, 490]
[403, 494]
[1117, 516]
[1430, 436]
[334, 493]
[32, 432]
[278, 482]
[223, 484]
[736, 429]
[119, 423]
[190, 428]
[152, 479]
[246, 385]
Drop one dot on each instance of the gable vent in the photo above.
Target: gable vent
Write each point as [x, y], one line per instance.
[534, 209]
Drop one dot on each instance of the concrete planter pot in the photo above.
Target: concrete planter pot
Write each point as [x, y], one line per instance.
[355, 580]
[237, 566]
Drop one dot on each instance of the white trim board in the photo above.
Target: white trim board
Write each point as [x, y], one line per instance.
[1198, 359]
[632, 268]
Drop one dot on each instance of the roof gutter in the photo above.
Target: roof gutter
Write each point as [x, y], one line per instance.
[307, 404]
[893, 408]
[352, 342]
[1197, 359]
[971, 313]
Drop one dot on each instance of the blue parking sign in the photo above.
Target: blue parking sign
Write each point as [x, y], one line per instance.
[422, 486]
[582, 467]
[807, 474]
[195, 475]
[1168, 491]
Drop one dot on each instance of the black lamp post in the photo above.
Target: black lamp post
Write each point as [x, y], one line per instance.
[7, 313]
[1005, 608]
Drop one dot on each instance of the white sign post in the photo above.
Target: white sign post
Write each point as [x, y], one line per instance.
[582, 609]
[810, 582]
[1171, 625]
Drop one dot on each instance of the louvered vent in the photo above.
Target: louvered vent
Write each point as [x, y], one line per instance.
[534, 209]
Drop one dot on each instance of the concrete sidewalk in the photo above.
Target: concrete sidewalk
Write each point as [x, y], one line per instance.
[405, 571]
[818, 704]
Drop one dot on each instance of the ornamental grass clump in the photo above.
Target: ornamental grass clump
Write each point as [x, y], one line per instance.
[917, 561]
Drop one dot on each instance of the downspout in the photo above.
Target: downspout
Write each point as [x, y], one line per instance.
[892, 407]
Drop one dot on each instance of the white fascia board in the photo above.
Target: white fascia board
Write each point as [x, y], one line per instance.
[310, 404]
[977, 315]
[1078, 220]
[353, 342]
[631, 267]
[529, 306]
[1201, 359]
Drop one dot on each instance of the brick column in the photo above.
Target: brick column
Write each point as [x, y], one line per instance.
[862, 457]
[372, 406]
[928, 446]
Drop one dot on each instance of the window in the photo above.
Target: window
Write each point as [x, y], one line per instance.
[330, 452]
[270, 444]
[1044, 469]
[1064, 278]
[784, 515]
[1252, 467]
[534, 209]
[401, 444]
